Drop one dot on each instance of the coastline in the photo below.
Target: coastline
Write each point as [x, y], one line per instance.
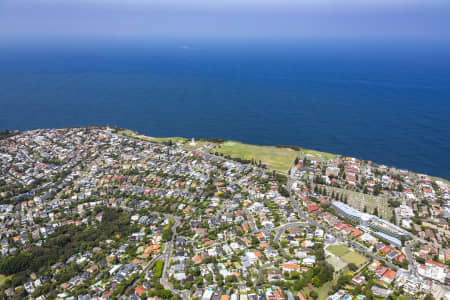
[250, 148]
[314, 154]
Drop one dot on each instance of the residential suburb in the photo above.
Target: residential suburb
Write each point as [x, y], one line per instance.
[99, 213]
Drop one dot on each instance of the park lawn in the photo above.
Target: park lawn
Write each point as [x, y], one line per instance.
[174, 140]
[343, 252]
[354, 257]
[276, 158]
[317, 154]
[338, 250]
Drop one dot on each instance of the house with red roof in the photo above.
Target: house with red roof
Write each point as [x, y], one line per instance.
[312, 207]
[389, 276]
[139, 290]
[385, 250]
[340, 226]
[197, 259]
[400, 258]
[290, 267]
[347, 229]
[380, 271]
[356, 233]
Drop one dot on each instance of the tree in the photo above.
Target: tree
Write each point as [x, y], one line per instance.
[295, 275]
[315, 281]
[326, 272]
[314, 295]
[352, 267]
[376, 190]
[208, 277]
[283, 191]
[166, 294]
[299, 285]
[167, 235]
[429, 297]
[219, 277]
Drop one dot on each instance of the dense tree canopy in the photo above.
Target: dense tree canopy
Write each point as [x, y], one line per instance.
[67, 241]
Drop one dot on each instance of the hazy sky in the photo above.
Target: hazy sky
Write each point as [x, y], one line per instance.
[43, 19]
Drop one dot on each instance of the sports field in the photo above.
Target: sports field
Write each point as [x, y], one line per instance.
[338, 250]
[347, 255]
[354, 257]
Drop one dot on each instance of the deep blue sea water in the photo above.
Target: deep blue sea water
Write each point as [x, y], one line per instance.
[382, 101]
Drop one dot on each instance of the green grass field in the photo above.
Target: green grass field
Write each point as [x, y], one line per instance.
[276, 158]
[338, 250]
[313, 154]
[354, 257]
[343, 252]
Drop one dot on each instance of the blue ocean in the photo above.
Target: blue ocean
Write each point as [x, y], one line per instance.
[386, 101]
